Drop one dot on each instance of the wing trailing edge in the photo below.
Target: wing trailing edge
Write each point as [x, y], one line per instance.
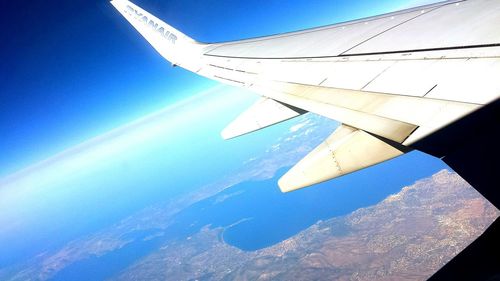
[265, 112]
[345, 151]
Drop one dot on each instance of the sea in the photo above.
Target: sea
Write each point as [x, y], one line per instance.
[256, 214]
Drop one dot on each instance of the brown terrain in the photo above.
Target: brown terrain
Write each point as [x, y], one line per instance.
[408, 236]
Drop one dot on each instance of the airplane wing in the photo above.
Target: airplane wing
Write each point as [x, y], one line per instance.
[425, 78]
[398, 77]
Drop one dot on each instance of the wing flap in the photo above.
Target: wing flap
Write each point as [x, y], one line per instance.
[394, 117]
[265, 112]
[345, 151]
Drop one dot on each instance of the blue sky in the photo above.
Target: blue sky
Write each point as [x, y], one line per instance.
[74, 79]
[72, 70]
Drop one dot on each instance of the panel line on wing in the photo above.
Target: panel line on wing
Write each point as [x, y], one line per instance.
[214, 46]
[389, 29]
[377, 76]
[451, 48]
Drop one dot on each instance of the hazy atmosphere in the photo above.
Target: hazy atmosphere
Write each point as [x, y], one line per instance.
[113, 166]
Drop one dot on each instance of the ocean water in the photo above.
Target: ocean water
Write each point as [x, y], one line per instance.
[106, 266]
[255, 214]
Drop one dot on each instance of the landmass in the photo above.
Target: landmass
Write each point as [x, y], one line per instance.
[408, 236]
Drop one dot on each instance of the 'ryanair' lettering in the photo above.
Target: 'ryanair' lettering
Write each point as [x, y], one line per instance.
[151, 24]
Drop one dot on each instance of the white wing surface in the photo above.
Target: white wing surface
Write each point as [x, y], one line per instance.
[395, 79]
[265, 112]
